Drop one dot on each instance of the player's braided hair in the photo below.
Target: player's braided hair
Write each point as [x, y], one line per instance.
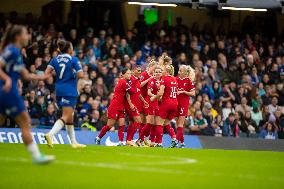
[12, 31]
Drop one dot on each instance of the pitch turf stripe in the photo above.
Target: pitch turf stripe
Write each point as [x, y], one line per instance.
[119, 166]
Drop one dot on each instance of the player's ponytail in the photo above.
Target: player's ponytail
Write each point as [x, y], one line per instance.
[191, 73]
[12, 31]
[63, 46]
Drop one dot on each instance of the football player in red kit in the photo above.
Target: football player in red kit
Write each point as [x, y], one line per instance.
[133, 112]
[116, 109]
[168, 106]
[145, 77]
[153, 87]
[185, 89]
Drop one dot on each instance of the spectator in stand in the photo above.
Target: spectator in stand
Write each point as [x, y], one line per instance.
[243, 107]
[268, 131]
[230, 128]
[124, 49]
[200, 124]
[49, 117]
[250, 124]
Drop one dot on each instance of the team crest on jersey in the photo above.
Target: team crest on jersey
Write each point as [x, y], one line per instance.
[141, 78]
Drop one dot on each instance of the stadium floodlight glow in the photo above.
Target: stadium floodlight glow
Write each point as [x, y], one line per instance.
[244, 9]
[77, 0]
[153, 4]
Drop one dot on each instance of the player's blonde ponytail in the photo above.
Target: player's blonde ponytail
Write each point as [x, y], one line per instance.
[191, 73]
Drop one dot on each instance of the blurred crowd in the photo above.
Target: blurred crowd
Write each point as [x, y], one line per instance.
[239, 77]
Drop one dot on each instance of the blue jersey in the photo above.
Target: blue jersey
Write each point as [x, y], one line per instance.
[13, 65]
[12, 103]
[66, 68]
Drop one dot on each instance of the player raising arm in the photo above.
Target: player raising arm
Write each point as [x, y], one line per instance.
[67, 69]
[185, 89]
[116, 109]
[11, 102]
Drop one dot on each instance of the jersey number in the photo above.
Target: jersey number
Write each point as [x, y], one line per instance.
[173, 92]
[63, 66]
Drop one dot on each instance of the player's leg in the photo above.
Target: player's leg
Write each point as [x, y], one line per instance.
[171, 115]
[180, 136]
[104, 130]
[174, 142]
[58, 125]
[159, 122]
[67, 115]
[146, 129]
[24, 122]
[121, 127]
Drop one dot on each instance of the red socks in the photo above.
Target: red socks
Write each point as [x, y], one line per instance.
[170, 131]
[140, 127]
[180, 136]
[131, 131]
[103, 131]
[145, 130]
[152, 133]
[121, 133]
[159, 133]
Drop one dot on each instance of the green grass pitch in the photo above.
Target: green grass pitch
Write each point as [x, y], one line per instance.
[127, 167]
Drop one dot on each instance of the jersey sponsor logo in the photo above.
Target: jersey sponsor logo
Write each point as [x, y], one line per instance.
[63, 100]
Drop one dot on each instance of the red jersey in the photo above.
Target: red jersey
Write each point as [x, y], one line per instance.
[144, 76]
[154, 87]
[170, 92]
[135, 90]
[118, 101]
[184, 85]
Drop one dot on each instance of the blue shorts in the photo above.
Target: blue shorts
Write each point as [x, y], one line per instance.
[11, 104]
[66, 101]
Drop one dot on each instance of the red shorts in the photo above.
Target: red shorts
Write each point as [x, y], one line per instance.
[115, 114]
[151, 110]
[131, 113]
[167, 110]
[182, 110]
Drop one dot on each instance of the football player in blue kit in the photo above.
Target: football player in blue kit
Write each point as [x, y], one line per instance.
[68, 70]
[11, 102]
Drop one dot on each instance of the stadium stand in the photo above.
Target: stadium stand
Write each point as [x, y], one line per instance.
[239, 76]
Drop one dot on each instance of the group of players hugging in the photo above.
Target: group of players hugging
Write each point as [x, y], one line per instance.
[151, 99]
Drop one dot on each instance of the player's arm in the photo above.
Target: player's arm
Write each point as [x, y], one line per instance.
[188, 93]
[78, 68]
[32, 77]
[143, 83]
[159, 94]
[80, 74]
[132, 107]
[4, 77]
[144, 101]
[149, 92]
